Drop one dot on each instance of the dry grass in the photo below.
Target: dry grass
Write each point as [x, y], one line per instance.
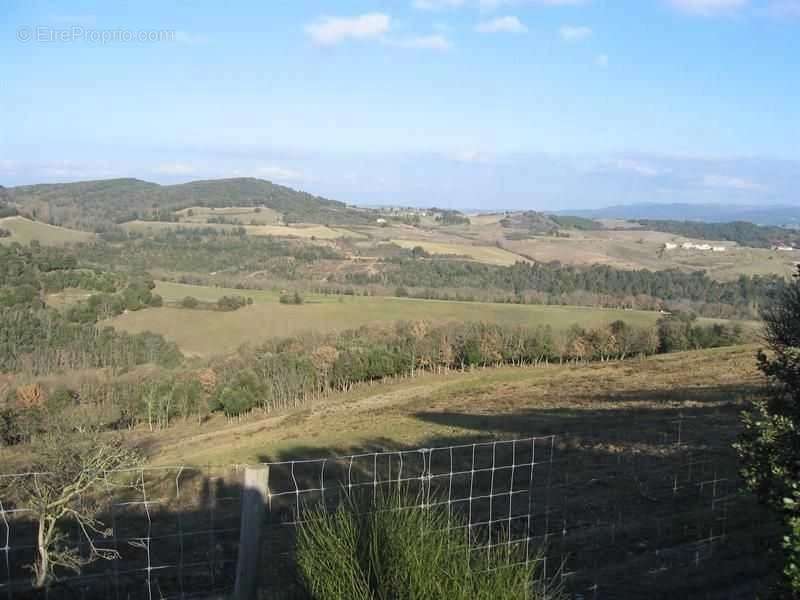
[320, 232]
[634, 398]
[491, 255]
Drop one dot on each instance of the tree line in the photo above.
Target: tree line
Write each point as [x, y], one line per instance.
[554, 281]
[290, 372]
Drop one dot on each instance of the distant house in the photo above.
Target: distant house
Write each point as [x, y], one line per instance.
[380, 221]
[703, 246]
[670, 246]
[784, 248]
[687, 245]
[718, 248]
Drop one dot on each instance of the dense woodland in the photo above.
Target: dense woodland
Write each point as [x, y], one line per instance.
[203, 251]
[99, 205]
[554, 283]
[38, 339]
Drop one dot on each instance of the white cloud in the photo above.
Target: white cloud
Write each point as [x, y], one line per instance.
[422, 42]
[277, 173]
[437, 4]
[509, 24]
[601, 60]
[493, 4]
[784, 8]
[469, 157]
[8, 166]
[571, 33]
[175, 169]
[641, 168]
[732, 183]
[708, 7]
[332, 30]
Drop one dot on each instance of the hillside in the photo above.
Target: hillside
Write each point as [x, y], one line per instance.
[24, 231]
[99, 205]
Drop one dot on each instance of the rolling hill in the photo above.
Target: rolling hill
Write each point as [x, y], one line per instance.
[25, 231]
[99, 205]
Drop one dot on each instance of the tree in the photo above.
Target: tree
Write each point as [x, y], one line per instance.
[769, 447]
[67, 467]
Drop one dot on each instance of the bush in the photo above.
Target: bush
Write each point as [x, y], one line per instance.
[365, 551]
[190, 302]
[770, 444]
[295, 298]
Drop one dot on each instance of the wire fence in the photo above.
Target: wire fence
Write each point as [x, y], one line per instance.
[656, 519]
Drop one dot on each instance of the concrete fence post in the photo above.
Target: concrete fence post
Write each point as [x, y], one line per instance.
[254, 504]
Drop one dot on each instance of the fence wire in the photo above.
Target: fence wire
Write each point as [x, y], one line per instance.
[655, 519]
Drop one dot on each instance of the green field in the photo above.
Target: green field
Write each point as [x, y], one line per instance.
[205, 333]
[246, 215]
[25, 231]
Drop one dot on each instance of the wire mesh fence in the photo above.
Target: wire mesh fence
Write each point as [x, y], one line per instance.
[663, 517]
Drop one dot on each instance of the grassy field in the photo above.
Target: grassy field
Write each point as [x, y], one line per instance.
[320, 232]
[246, 215]
[208, 332]
[486, 254]
[504, 403]
[25, 231]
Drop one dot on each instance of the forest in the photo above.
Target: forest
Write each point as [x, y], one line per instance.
[99, 205]
[39, 339]
[553, 283]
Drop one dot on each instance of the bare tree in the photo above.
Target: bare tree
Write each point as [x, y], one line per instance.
[68, 471]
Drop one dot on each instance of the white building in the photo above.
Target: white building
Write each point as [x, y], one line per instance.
[670, 246]
[718, 248]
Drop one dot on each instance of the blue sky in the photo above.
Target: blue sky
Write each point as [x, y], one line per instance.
[462, 103]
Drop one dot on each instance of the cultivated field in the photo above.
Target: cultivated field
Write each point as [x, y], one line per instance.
[205, 333]
[25, 231]
[320, 232]
[486, 254]
[637, 249]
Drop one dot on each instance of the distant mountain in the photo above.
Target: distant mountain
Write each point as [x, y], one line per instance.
[98, 205]
[782, 216]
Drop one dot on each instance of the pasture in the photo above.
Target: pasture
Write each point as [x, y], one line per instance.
[204, 333]
[707, 387]
[25, 231]
[491, 255]
[245, 215]
[309, 232]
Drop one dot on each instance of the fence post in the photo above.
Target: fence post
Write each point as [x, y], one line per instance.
[254, 502]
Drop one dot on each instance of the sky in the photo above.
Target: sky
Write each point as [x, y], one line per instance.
[538, 104]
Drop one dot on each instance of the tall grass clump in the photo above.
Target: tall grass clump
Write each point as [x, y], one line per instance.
[391, 549]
